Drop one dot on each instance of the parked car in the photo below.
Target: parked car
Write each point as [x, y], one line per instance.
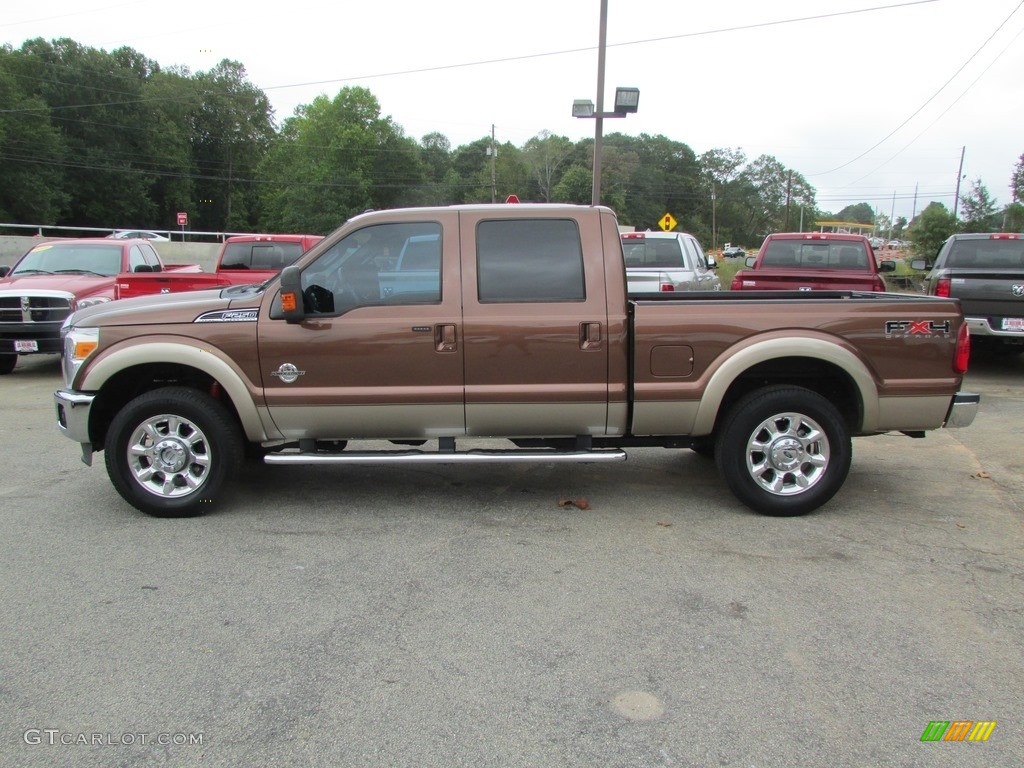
[138, 234]
[658, 262]
[877, 243]
[813, 261]
[986, 272]
[731, 251]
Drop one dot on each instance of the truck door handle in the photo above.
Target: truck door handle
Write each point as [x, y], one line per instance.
[445, 338]
[590, 335]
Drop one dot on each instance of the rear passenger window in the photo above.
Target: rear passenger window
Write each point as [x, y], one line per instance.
[529, 260]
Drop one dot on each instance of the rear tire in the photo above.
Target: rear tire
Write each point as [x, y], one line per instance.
[169, 451]
[7, 363]
[784, 451]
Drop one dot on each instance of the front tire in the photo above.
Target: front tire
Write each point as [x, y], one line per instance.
[784, 450]
[169, 451]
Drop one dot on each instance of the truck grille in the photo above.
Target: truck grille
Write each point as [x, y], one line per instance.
[33, 309]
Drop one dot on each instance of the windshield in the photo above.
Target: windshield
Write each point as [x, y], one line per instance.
[804, 255]
[58, 258]
[987, 254]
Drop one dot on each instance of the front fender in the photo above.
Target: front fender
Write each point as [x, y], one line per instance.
[176, 350]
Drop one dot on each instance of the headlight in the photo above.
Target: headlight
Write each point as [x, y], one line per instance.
[92, 301]
[79, 343]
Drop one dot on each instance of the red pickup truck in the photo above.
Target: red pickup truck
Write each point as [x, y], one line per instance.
[813, 261]
[242, 259]
[57, 277]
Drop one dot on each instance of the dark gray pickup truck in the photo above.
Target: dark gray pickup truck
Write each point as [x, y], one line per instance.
[986, 272]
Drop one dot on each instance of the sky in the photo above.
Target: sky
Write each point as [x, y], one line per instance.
[877, 101]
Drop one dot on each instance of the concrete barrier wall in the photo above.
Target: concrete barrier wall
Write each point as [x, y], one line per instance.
[12, 247]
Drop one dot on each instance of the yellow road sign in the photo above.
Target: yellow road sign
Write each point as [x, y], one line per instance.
[667, 223]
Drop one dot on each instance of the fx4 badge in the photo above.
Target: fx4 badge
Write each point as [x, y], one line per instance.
[906, 328]
[1018, 289]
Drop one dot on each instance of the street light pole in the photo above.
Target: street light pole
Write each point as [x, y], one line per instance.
[626, 103]
[595, 196]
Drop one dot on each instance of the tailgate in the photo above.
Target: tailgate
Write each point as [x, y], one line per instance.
[645, 280]
[805, 280]
[131, 285]
[995, 295]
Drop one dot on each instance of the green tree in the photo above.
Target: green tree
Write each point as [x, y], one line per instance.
[575, 186]
[862, 213]
[1017, 181]
[545, 154]
[335, 158]
[232, 129]
[979, 210]
[31, 152]
[930, 229]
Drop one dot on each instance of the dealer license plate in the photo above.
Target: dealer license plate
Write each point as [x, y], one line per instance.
[29, 345]
[1013, 323]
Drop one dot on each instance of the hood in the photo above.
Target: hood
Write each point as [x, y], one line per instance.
[77, 285]
[167, 308]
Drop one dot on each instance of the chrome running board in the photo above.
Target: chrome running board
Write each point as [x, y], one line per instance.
[442, 457]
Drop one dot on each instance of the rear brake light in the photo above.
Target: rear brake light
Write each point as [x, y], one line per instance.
[942, 287]
[1004, 236]
[963, 350]
[737, 284]
[665, 287]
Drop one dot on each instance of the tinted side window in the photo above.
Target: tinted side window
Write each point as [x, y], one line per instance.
[529, 260]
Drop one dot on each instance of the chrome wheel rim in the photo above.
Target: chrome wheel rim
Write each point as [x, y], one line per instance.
[787, 454]
[169, 456]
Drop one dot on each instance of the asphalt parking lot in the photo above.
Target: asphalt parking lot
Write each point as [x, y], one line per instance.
[462, 616]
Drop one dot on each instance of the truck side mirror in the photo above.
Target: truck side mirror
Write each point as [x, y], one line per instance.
[291, 295]
[4, 270]
[887, 266]
[750, 261]
[919, 264]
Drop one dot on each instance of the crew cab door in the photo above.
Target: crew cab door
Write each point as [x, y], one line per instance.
[380, 351]
[535, 322]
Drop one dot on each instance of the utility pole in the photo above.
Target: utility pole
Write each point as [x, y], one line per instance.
[892, 213]
[789, 188]
[959, 175]
[494, 154]
[714, 234]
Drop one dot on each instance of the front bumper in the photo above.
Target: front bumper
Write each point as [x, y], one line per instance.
[962, 410]
[73, 410]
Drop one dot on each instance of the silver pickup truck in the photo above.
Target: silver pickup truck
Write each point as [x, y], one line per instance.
[986, 272]
[660, 262]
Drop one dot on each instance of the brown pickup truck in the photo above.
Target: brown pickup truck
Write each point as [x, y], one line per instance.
[438, 325]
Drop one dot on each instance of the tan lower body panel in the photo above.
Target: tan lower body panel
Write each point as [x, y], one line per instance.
[912, 413]
[353, 422]
[664, 417]
[536, 419]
